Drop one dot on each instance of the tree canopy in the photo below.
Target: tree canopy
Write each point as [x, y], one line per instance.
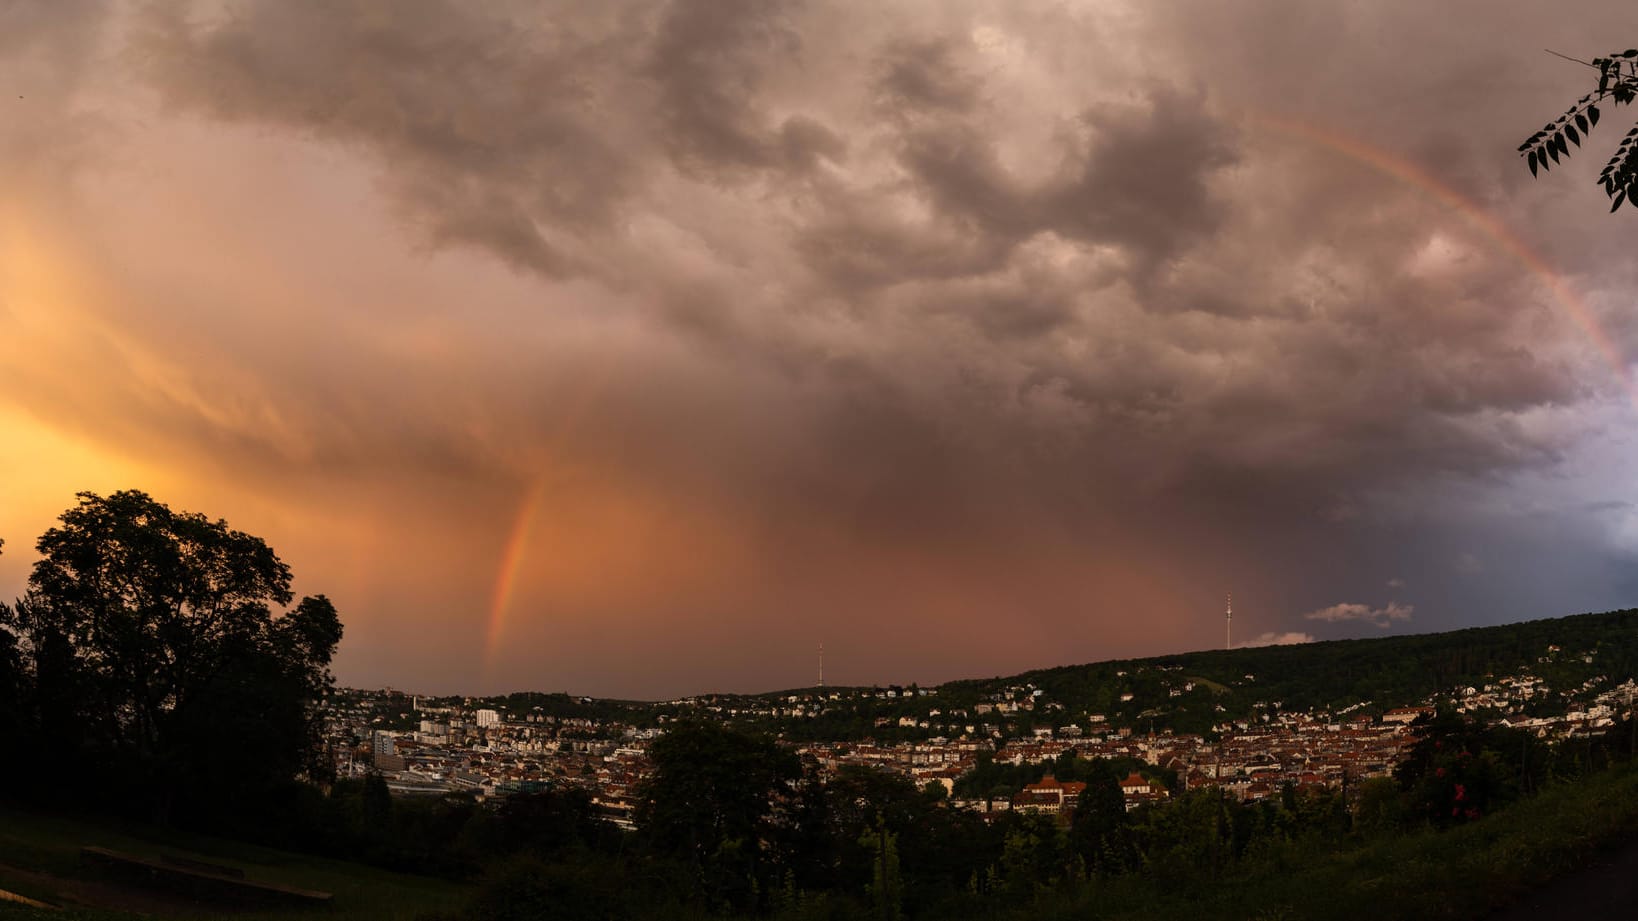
[151, 662]
[1617, 83]
[712, 799]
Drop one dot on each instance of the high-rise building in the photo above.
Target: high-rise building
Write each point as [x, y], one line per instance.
[487, 718]
[383, 743]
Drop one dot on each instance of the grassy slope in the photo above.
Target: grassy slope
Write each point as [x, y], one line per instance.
[1463, 873]
[51, 844]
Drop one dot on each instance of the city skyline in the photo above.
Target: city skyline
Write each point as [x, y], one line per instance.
[640, 350]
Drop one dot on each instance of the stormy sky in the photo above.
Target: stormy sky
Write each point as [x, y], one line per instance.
[636, 349]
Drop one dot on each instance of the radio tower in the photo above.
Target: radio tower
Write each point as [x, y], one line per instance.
[1228, 623]
[821, 664]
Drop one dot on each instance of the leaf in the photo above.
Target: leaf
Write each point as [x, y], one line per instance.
[1592, 114]
[1620, 197]
[1630, 53]
[1563, 148]
[1581, 122]
[1532, 163]
[1552, 151]
[1569, 132]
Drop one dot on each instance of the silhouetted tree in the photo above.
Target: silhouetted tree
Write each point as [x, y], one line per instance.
[11, 697]
[886, 888]
[156, 663]
[1100, 828]
[719, 800]
[550, 822]
[1617, 83]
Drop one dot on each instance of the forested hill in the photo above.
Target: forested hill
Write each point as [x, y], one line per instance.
[1565, 652]
[1573, 658]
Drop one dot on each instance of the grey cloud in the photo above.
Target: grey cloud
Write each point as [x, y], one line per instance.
[1143, 179]
[1138, 178]
[929, 74]
[804, 141]
[487, 128]
[540, 143]
[708, 58]
[1008, 309]
[470, 214]
[857, 246]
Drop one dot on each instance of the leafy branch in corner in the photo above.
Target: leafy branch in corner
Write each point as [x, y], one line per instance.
[1617, 82]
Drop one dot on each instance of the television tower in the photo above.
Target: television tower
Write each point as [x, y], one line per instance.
[1228, 623]
[821, 664]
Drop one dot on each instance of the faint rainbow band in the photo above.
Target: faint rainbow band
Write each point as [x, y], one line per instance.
[1408, 172]
[534, 495]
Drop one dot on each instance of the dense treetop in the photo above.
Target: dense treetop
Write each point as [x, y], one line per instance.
[150, 663]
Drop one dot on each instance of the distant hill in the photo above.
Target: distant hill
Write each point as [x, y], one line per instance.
[1195, 691]
[1372, 674]
[1186, 692]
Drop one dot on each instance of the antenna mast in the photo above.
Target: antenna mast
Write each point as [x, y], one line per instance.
[821, 664]
[1228, 623]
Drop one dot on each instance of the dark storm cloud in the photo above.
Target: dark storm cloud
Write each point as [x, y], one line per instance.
[938, 310]
[930, 75]
[1142, 182]
[1132, 174]
[708, 59]
[882, 193]
[502, 134]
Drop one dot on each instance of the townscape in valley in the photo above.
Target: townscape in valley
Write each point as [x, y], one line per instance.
[493, 747]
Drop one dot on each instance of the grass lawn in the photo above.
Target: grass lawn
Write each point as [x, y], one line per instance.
[39, 858]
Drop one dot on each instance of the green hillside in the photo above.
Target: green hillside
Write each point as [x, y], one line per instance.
[1193, 692]
[1382, 672]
